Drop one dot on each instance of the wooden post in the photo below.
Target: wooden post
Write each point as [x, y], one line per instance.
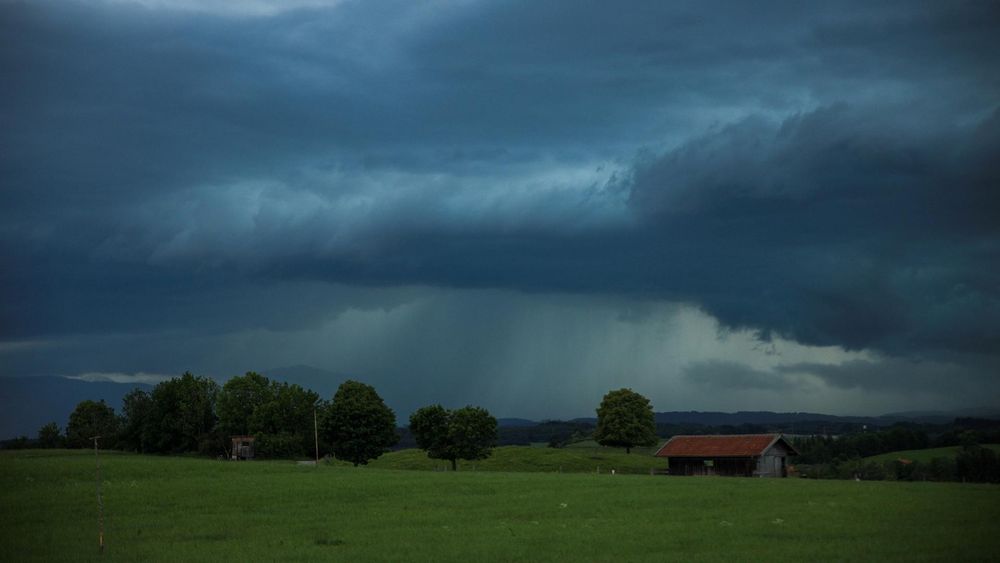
[316, 435]
[100, 500]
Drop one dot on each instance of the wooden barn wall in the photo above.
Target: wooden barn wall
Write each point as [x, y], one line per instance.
[774, 461]
[723, 466]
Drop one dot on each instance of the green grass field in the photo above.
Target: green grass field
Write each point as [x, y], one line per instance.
[524, 458]
[926, 455]
[184, 509]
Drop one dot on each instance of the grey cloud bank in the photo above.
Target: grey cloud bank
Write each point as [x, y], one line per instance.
[223, 186]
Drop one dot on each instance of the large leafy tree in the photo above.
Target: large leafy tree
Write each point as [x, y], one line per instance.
[136, 420]
[625, 420]
[92, 418]
[183, 415]
[358, 423]
[429, 427]
[467, 433]
[240, 398]
[285, 422]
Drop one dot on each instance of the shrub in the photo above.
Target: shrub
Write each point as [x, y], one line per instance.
[283, 445]
[941, 469]
[977, 464]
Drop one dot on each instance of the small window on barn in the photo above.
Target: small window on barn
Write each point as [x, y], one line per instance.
[709, 463]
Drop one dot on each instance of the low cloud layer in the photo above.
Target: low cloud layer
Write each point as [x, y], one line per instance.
[196, 174]
[141, 377]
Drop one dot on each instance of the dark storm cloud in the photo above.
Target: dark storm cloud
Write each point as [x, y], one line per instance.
[819, 172]
[839, 226]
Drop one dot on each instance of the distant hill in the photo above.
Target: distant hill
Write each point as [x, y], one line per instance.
[926, 455]
[515, 422]
[28, 403]
[755, 417]
[944, 417]
[773, 418]
[746, 422]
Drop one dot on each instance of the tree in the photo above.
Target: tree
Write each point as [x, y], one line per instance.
[239, 399]
[359, 424]
[284, 423]
[625, 420]
[136, 408]
[89, 419]
[182, 416]
[429, 427]
[278, 414]
[49, 436]
[467, 433]
[977, 464]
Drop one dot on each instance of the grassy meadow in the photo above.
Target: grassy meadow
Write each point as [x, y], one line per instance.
[927, 454]
[534, 459]
[186, 509]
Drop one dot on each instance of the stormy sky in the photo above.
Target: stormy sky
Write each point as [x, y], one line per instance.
[520, 205]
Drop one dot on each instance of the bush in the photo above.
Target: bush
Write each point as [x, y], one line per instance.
[977, 464]
[941, 469]
[283, 445]
[903, 471]
[213, 443]
[49, 436]
[864, 470]
[19, 443]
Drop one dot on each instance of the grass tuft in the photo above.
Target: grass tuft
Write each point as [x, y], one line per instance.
[330, 542]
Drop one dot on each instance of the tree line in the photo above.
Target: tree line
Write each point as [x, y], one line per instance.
[973, 463]
[193, 414]
[844, 457]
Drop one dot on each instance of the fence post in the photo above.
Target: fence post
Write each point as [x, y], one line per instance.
[100, 500]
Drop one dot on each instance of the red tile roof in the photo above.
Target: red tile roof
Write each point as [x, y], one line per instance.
[720, 446]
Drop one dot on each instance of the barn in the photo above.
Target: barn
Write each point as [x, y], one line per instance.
[750, 455]
[242, 447]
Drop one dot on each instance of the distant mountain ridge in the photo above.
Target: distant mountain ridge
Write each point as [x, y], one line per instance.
[515, 422]
[713, 418]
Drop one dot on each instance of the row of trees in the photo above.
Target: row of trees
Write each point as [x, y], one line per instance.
[194, 414]
[973, 463]
[848, 456]
[826, 449]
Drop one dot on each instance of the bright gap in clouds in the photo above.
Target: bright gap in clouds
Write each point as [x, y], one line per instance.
[112, 377]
